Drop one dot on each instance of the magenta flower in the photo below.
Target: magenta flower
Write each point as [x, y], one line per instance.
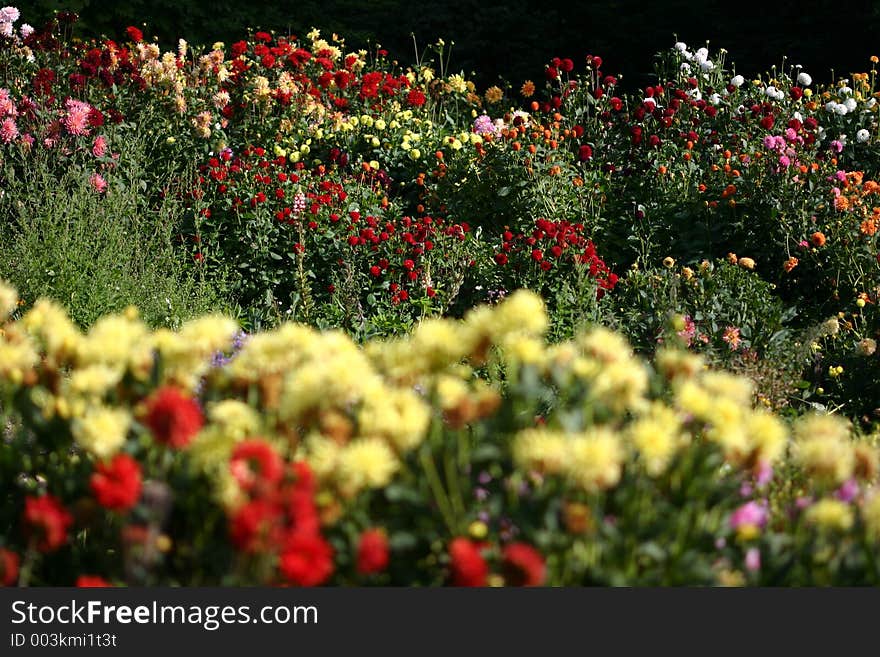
[751, 513]
[803, 502]
[98, 183]
[765, 474]
[483, 126]
[753, 560]
[99, 147]
[848, 491]
[9, 14]
[8, 130]
[7, 105]
[732, 338]
[689, 330]
[77, 118]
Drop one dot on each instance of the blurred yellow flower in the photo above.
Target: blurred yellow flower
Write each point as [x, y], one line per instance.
[830, 515]
[595, 459]
[101, 430]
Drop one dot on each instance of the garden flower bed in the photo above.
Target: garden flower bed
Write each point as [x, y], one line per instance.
[278, 312]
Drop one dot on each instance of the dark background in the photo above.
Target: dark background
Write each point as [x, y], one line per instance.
[515, 38]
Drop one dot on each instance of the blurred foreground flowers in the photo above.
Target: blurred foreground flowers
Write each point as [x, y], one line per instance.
[470, 452]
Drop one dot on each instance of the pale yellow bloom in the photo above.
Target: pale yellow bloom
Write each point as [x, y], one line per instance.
[18, 354]
[49, 324]
[604, 345]
[830, 515]
[398, 415]
[871, 515]
[541, 450]
[8, 300]
[677, 364]
[101, 430]
[595, 459]
[823, 448]
[234, 418]
[657, 436]
[94, 380]
[366, 463]
[768, 435]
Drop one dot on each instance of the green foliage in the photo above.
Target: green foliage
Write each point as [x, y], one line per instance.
[97, 253]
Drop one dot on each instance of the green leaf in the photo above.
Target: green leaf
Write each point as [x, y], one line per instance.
[402, 541]
[486, 452]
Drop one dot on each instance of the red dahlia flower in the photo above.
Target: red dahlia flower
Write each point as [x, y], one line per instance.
[307, 559]
[302, 513]
[467, 565]
[92, 582]
[254, 526]
[416, 98]
[134, 34]
[372, 556]
[8, 567]
[173, 418]
[523, 565]
[117, 484]
[46, 521]
[303, 476]
[256, 466]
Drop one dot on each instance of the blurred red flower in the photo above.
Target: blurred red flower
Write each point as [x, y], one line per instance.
[307, 559]
[8, 567]
[256, 466]
[173, 418]
[46, 521]
[92, 581]
[467, 565]
[523, 565]
[117, 484]
[372, 555]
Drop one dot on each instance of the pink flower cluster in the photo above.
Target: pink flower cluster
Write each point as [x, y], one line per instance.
[8, 15]
[76, 120]
[782, 145]
[8, 112]
[99, 146]
[752, 513]
[98, 183]
[484, 126]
